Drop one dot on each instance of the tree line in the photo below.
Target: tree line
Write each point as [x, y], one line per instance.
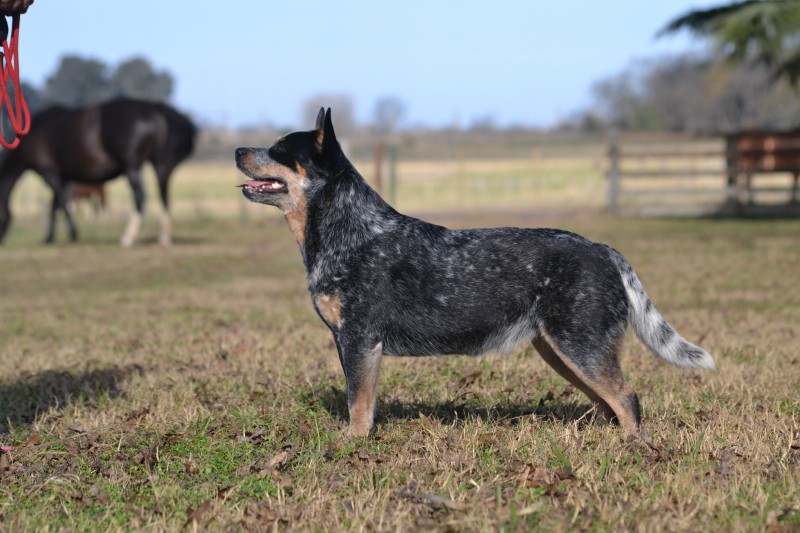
[79, 82]
[748, 79]
[691, 93]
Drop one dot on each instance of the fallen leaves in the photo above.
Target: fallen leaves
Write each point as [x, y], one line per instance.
[280, 458]
[194, 515]
[270, 467]
[255, 437]
[33, 440]
[433, 500]
[365, 456]
[10, 453]
[148, 457]
[136, 415]
[189, 467]
[555, 482]
[257, 515]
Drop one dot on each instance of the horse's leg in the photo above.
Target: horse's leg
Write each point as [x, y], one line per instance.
[164, 172]
[135, 221]
[51, 223]
[7, 181]
[59, 202]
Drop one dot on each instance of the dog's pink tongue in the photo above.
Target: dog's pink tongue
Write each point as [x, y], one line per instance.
[251, 183]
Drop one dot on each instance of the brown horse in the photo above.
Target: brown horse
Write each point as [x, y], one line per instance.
[94, 145]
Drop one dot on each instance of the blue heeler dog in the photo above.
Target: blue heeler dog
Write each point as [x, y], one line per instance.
[389, 284]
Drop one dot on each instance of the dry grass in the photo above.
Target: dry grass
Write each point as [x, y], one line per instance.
[152, 389]
[203, 190]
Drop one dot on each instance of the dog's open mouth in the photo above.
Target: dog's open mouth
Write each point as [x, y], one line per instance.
[263, 185]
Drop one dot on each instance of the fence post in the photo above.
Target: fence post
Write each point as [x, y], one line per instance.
[730, 168]
[393, 175]
[613, 173]
[380, 148]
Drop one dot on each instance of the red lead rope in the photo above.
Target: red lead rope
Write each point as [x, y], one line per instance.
[11, 97]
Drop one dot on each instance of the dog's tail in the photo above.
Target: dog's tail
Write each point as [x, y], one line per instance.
[652, 329]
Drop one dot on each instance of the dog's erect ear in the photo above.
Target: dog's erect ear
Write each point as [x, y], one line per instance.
[320, 119]
[326, 138]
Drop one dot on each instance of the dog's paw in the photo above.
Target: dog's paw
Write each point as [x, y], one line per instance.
[353, 431]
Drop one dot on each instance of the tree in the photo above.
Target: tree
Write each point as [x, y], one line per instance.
[621, 100]
[693, 93]
[483, 124]
[77, 82]
[80, 82]
[33, 97]
[764, 31]
[135, 78]
[387, 114]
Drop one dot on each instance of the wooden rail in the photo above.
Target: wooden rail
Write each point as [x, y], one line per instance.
[696, 169]
[752, 152]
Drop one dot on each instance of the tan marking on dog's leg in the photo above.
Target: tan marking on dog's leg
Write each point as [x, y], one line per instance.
[165, 237]
[362, 408]
[554, 360]
[132, 230]
[610, 387]
[330, 307]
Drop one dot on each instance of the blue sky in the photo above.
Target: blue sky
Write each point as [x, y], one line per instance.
[450, 62]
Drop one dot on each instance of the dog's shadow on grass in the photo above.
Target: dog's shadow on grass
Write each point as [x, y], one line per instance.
[457, 411]
[32, 395]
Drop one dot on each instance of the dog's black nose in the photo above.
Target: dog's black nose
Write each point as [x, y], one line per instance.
[241, 151]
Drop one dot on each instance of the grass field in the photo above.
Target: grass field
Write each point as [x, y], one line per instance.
[152, 388]
[203, 190]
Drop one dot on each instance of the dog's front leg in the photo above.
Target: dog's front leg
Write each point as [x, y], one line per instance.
[361, 370]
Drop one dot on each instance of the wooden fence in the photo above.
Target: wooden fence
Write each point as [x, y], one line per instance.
[688, 175]
[760, 152]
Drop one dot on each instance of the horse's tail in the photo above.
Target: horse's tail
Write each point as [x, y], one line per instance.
[181, 133]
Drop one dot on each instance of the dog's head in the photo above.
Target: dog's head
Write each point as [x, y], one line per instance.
[282, 174]
[288, 173]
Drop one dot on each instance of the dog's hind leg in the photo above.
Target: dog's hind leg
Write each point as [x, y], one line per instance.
[600, 378]
[361, 370]
[554, 360]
